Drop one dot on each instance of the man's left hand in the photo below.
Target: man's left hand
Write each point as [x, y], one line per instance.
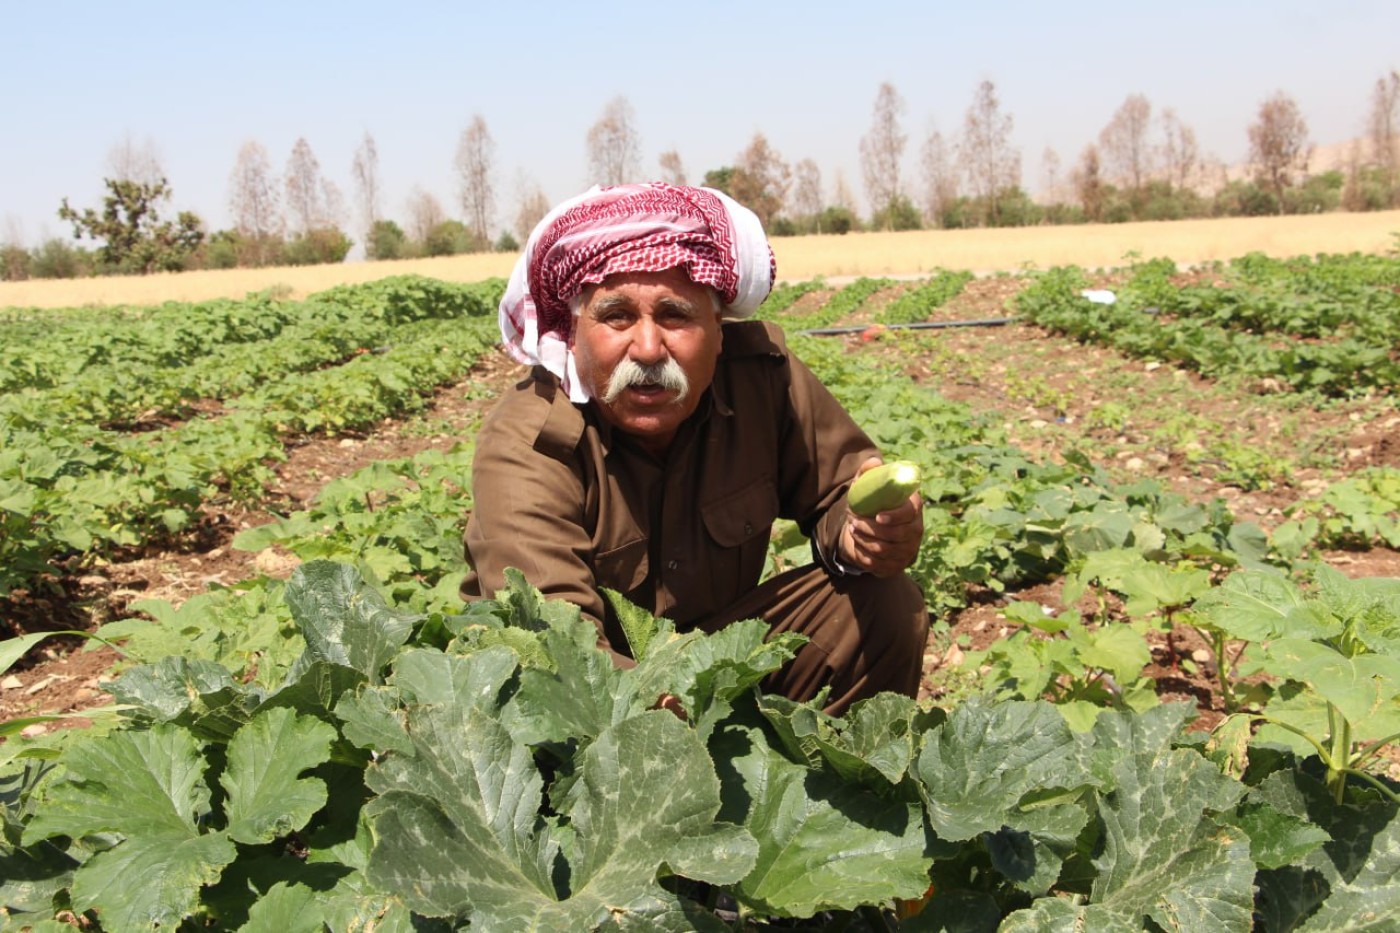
[884, 544]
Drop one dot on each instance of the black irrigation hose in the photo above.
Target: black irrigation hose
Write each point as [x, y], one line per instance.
[923, 325]
[920, 325]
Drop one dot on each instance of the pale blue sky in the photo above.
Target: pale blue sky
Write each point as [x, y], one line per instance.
[197, 80]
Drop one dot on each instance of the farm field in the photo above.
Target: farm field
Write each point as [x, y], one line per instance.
[1164, 514]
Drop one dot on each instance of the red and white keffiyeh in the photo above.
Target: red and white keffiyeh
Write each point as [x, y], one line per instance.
[628, 228]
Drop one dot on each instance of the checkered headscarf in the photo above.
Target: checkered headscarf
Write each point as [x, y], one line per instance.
[628, 228]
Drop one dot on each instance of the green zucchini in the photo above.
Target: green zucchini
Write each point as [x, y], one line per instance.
[884, 487]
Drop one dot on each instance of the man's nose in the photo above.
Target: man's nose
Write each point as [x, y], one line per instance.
[647, 345]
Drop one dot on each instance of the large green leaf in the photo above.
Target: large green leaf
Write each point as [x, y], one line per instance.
[1252, 605]
[197, 694]
[1363, 688]
[873, 744]
[458, 828]
[525, 607]
[1059, 915]
[823, 843]
[1165, 856]
[286, 908]
[345, 620]
[582, 696]
[1351, 882]
[459, 833]
[1277, 839]
[625, 795]
[149, 881]
[1152, 587]
[975, 769]
[1369, 900]
[707, 671]
[267, 797]
[373, 719]
[147, 786]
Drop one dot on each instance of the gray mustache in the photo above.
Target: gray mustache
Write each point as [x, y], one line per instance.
[667, 374]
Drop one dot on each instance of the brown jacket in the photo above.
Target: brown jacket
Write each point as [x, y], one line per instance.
[576, 506]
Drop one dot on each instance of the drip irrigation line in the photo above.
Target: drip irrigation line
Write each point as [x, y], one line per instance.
[918, 325]
[924, 325]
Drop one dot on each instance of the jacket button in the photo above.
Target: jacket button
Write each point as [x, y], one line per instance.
[748, 528]
[672, 565]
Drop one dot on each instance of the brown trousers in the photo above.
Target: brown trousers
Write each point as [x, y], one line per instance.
[865, 634]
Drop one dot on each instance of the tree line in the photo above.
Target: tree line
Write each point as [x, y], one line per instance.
[1145, 164]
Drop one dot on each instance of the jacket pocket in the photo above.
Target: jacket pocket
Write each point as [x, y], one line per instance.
[622, 568]
[741, 517]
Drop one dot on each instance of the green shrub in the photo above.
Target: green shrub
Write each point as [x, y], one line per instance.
[14, 263]
[837, 220]
[220, 251]
[386, 241]
[900, 214]
[450, 238]
[326, 245]
[58, 259]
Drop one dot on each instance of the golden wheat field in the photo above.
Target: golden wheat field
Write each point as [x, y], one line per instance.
[1188, 242]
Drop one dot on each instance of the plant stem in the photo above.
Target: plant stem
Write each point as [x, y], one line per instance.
[1375, 782]
[1341, 753]
[1224, 672]
[1374, 749]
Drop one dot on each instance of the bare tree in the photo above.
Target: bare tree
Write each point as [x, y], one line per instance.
[1124, 146]
[1278, 144]
[1383, 128]
[881, 150]
[533, 206]
[761, 179]
[365, 169]
[672, 172]
[940, 178]
[332, 206]
[1181, 158]
[305, 206]
[614, 146]
[1050, 175]
[253, 203]
[992, 166]
[1087, 178]
[807, 193]
[424, 213]
[1353, 191]
[476, 152]
[129, 160]
[841, 195]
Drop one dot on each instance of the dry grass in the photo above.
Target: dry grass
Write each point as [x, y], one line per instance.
[799, 258]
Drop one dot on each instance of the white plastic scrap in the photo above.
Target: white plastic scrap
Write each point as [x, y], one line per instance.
[1100, 296]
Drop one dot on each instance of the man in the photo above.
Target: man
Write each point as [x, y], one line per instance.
[659, 435]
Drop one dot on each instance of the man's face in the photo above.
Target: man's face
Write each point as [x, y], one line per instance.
[653, 320]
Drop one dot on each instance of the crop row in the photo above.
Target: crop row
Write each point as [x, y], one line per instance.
[1327, 298]
[77, 489]
[1055, 300]
[144, 368]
